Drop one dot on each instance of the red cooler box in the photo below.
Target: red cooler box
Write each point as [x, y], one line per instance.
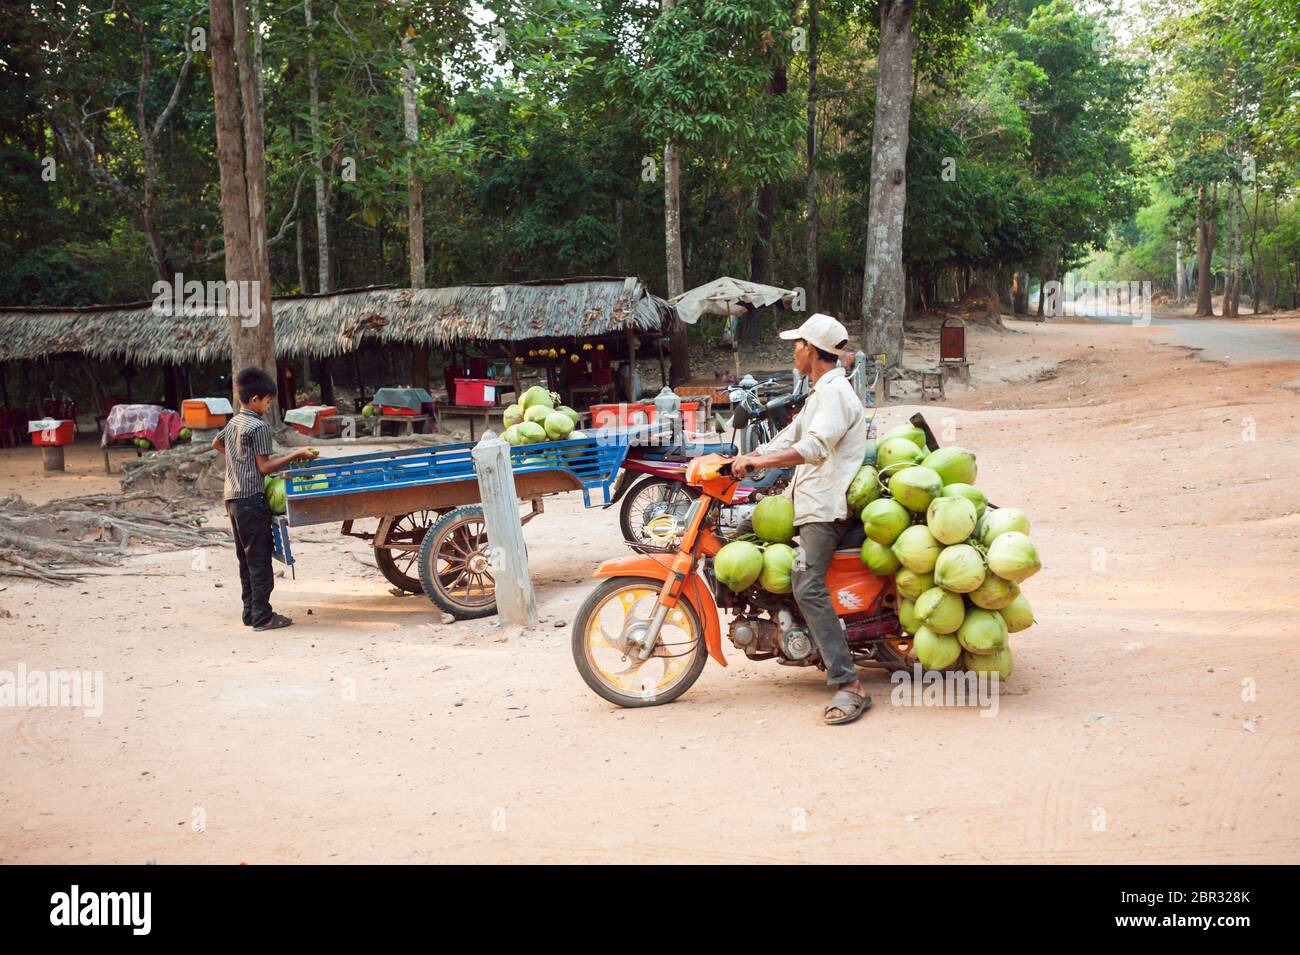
[476, 392]
[50, 433]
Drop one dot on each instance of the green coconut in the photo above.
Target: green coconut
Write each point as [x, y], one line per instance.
[950, 519]
[998, 662]
[894, 454]
[511, 435]
[778, 562]
[916, 549]
[915, 487]
[738, 565]
[884, 519]
[908, 431]
[880, 560]
[907, 615]
[537, 413]
[577, 418]
[773, 519]
[1017, 615]
[864, 489]
[512, 415]
[971, 493]
[1012, 555]
[983, 631]
[994, 594]
[955, 465]
[940, 610]
[999, 520]
[935, 651]
[536, 395]
[960, 569]
[530, 432]
[275, 496]
[912, 585]
[558, 426]
[368, 411]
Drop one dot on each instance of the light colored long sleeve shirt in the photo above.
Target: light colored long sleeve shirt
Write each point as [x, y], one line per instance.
[830, 434]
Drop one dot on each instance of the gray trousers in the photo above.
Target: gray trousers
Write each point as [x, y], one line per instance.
[816, 547]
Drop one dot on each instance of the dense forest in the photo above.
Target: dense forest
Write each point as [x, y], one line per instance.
[678, 141]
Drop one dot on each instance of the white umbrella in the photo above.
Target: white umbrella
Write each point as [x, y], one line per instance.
[731, 297]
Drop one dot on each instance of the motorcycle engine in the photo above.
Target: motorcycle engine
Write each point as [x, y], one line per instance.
[796, 642]
[762, 639]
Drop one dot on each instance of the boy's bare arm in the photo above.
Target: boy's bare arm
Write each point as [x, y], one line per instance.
[217, 445]
[266, 464]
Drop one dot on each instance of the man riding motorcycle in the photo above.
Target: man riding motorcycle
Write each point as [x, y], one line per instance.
[827, 441]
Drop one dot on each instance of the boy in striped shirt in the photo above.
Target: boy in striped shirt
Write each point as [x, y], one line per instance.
[246, 443]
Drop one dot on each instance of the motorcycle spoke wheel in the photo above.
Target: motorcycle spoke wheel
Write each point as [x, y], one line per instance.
[675, 656]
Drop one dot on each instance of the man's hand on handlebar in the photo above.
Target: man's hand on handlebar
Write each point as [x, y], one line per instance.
[743, 464]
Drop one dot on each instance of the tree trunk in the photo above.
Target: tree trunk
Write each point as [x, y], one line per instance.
[249, 345]
[679, 347]
[322, 218]
[883, 284]
[1179, 290]
[1020, 293]
[811, 293]
[1255, 275]
[415, 199]
[248, 47]
[1204, 255]
[760, 257]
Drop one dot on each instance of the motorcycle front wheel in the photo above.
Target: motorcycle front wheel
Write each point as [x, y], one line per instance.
[619, 677]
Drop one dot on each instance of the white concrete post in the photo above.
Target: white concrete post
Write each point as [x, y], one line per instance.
[509, 563]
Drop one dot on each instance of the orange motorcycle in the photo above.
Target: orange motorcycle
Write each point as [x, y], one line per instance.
[641, 638]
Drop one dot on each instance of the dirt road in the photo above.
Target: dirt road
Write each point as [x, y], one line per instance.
[1151, 716]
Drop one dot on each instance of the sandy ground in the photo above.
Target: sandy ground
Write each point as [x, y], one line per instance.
[1151, 716]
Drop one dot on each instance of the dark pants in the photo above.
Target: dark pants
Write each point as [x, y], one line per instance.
[816, 547]
[250, 518]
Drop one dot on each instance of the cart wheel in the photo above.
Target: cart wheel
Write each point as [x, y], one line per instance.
[397, 548]
[454, 564]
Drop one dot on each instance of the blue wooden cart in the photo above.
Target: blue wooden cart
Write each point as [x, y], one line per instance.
[431, 536]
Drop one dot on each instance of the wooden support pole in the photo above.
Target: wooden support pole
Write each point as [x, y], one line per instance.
[509, 562]
[52, 456]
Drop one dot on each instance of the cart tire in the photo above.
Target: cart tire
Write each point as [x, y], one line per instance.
[401, 568]
[644, 494]
[455, 551]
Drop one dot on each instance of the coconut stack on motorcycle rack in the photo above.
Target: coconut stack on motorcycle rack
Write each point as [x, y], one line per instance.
[956, 561]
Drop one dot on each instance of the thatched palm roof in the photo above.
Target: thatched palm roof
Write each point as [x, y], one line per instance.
[337, 323]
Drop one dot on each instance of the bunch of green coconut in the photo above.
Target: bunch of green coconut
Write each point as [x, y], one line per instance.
[957, 562]
[536, 418]
[764, 557]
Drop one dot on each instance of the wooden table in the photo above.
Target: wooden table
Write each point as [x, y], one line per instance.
[375, 422]
[474, 413]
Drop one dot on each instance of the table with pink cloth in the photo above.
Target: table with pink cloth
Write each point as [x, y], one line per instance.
[161, 426]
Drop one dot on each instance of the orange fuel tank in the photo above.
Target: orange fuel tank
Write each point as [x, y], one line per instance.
[854, 589]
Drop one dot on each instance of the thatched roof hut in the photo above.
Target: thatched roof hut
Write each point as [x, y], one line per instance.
[318, 326]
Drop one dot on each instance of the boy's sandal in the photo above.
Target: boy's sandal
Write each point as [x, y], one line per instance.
[277, 621]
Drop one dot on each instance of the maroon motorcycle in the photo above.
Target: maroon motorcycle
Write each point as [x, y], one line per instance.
[652, 491]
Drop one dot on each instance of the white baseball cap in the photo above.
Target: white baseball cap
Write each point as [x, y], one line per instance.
[822, 331]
